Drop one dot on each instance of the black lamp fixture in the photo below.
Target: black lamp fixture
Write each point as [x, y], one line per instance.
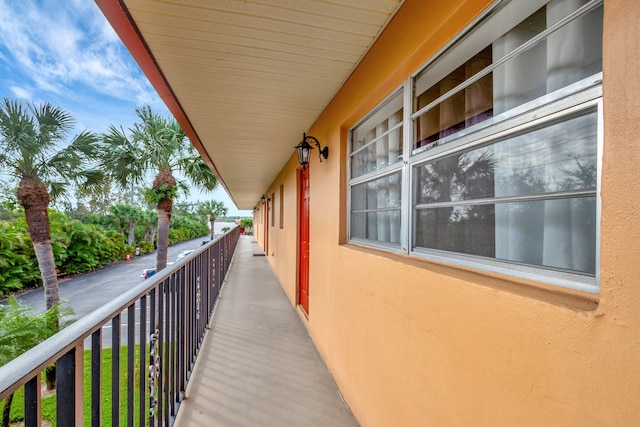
[304, 150]
[264, 198]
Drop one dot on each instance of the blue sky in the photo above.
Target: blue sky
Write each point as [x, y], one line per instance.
[66, 53]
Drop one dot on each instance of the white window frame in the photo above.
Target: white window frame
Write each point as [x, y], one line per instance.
[399, 166]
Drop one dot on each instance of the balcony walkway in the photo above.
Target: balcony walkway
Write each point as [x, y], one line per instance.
[257, 365]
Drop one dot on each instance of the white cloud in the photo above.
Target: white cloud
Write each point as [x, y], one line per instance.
[21, 92]
[65, 44]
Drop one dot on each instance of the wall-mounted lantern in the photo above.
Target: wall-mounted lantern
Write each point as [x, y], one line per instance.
[304, 150]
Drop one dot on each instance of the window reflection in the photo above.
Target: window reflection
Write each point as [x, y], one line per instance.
[550, 160]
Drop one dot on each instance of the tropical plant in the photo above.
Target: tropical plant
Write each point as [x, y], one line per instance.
[77, 247]
[9, 206]
[184, 207]
[212, 209]
[17, 261]
[59, 238]
[127, 216]
[246, 223]
[88, 248]
[155, 145]
[41, 163]
[22, 329]
[186, 227]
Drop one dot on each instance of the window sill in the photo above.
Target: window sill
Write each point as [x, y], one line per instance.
[564, 297]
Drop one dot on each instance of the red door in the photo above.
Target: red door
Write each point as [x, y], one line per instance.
[266, 227]
[303, 278]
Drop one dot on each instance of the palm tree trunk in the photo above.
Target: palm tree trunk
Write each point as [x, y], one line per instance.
[147, 233]
[132, 233]
[34, 198]
[152, 235]
[164, 184]
[44, 255]
[164, 219]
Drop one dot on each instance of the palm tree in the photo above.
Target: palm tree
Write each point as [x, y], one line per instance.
[150, 220]
[160, 146]
[212, 209]
[35, 154]
[126, 216]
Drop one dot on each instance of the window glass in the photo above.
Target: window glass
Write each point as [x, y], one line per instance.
[465, 229]
[377, 142]
[382, 152]
[558, 233]
[557, 157]
[561, 58]
[542, 163]
[465, 108]
[375, 207]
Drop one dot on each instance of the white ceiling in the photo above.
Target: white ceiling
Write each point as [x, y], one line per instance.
[252, 75]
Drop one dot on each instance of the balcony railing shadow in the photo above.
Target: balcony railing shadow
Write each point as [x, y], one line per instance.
[172, 310]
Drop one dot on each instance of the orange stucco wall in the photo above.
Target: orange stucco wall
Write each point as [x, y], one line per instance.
[416, 343]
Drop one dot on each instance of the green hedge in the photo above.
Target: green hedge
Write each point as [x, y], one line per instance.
[77, 247]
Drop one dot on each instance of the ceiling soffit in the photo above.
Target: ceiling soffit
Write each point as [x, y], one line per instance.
[246, 78]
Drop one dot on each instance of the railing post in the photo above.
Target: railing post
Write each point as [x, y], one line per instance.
[32, 401]
[180, 327]
[69, 388]
[131, 348]
[96, 378]
[115, 371]
[142, 361]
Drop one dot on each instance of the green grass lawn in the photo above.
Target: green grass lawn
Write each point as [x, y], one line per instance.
[49, 402]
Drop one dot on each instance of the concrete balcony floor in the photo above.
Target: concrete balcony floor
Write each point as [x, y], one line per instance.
[257, 365]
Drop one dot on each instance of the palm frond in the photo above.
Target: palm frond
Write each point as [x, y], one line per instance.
[86, 143]
[34, 144]
[57, 188]
[121, 158]
[54, 123]
[196, 170]
[91, 179]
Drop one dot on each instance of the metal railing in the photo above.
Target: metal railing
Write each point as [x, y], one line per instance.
[165, 319]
